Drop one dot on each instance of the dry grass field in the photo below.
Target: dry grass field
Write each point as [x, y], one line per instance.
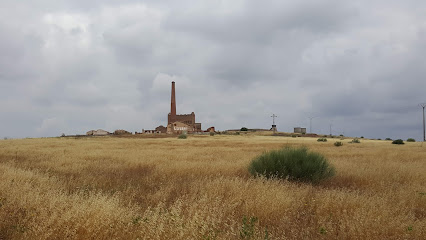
[200, 188]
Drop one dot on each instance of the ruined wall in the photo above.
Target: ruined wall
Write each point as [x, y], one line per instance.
[188, 119]
[179, 128]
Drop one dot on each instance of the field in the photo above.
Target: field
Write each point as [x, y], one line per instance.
[200, 188]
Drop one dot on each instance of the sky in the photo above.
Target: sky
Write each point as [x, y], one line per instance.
[72, 66]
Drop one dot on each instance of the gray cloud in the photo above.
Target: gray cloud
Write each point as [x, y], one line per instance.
[72, 66]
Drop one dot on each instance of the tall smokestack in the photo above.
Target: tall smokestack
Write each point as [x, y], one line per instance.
[173, 104]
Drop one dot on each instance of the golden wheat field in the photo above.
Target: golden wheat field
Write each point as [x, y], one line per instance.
[200, 188]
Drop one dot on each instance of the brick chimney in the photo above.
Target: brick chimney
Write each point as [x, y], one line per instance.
[173, 104]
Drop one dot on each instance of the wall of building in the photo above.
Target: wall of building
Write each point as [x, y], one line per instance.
[183, 118]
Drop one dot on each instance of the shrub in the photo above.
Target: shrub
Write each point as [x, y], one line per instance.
[182, 136]
[293, 136]
[362, 136]
[237, 133]
[322, 140]
[296, 164]
[355, 140]
[211, 133]
[379, 139]
[398, 141]
[411, 140]
[338, 144]
[244, 129]
[389, 139]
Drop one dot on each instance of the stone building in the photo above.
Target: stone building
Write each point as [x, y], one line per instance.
[180, 123]
[161, 129]
[98, 132]
[121, 132]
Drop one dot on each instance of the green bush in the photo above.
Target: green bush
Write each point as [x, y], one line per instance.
[388, 139]
[237, 133]
[411, 140]
[293, 136]
[362, 136]
[322, 140]
[338, 144]
[355, 140]
[296, 164]
[379, 139]
[182, 136]
[211, 133]
[398, 141]
[244, 129]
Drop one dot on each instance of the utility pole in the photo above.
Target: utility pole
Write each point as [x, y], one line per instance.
[423, 105]
[310, 123]
[331, 123]
[274, 127]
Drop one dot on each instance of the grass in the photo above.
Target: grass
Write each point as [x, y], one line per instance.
[166, 188]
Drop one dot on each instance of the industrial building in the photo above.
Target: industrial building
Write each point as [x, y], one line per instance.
[182, 123]
[299, 130]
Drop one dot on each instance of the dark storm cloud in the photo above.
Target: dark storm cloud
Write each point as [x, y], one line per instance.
[72, 66]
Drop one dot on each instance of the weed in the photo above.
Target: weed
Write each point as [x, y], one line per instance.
[322, 140]
[338, 144]
[247, 228]
[182, 136]
[266, 237]
[292, 163]
[398, 141]
[355, 140]
[136, 220]
[211, 133]
[411, 140]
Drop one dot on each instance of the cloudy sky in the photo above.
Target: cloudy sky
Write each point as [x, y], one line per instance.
[72, 66]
